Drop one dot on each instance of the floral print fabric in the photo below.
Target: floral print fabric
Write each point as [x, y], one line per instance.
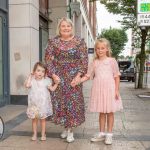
[66, 59]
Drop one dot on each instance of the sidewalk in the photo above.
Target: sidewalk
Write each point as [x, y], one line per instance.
[131, 129]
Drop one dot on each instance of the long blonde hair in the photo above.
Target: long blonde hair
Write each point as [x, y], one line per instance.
[106, 42]
[59, 23]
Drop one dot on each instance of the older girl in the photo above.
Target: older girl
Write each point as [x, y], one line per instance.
[105, 97]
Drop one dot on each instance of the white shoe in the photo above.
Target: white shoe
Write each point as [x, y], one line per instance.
[64, 134]
[70, 137]
[98, 137]
[108, 139]
[34, 138]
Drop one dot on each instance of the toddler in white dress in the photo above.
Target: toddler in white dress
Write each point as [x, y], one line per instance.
[39, 101]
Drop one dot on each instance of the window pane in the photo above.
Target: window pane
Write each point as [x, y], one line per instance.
[44, 42]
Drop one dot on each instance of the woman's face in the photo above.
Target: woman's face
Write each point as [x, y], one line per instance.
[65, 29]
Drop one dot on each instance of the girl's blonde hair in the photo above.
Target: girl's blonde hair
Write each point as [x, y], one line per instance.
[59, 23]
[107, 43]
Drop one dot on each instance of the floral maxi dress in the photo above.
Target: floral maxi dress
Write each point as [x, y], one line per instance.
[66, 59]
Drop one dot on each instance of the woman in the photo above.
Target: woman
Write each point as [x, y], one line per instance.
[67, 60]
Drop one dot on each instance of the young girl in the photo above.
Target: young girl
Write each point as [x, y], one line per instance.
[39, 102]
[105, 97]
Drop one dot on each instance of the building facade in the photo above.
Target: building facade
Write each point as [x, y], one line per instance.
[31, 23]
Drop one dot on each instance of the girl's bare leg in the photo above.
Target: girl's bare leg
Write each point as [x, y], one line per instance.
[34, 128]
[43, 127]
[110, 122]
[102, 121]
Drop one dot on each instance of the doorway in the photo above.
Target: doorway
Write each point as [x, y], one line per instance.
[4, 69]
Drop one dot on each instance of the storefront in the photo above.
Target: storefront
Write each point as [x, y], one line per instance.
[4, 55]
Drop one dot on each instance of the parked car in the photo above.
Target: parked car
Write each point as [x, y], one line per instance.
[127, 70]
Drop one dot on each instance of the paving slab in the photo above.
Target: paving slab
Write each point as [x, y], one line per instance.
[131, 126]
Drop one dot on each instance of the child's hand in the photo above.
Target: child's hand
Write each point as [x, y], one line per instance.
[57, 81]
[55, 78]
[49, 86]
[75, 82]
[28, 81]
[31, 75]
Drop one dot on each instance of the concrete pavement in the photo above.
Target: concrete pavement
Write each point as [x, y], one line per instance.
[131, 129]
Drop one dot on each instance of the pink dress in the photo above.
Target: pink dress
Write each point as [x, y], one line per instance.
[102, 97]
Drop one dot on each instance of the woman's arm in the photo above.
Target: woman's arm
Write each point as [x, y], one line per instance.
[83, 63]
[49, 57]
[83, 66]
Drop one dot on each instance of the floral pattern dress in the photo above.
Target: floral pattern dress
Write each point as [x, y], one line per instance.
[39, 101]
[66, 59]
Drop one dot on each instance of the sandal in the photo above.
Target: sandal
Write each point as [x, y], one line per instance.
[43, 138]
[34, 138]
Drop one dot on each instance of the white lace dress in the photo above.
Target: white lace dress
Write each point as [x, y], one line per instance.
[39, 101]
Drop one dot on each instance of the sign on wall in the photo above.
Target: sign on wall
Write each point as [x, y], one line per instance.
[90, 50]
[143, 16]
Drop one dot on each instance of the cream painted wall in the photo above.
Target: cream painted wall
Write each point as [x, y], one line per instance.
[57, 10]
[24, 41]
[24, 35]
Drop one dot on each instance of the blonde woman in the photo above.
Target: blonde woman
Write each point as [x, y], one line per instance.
[67, 60]
[105, 98]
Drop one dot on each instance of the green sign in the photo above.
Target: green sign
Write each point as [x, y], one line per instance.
[145, 7]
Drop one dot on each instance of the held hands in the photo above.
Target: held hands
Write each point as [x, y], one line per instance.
[56, 79]
[76, 81]
[53, 87]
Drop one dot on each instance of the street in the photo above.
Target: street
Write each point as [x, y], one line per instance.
[131, 129]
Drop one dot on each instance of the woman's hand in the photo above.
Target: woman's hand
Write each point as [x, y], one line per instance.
[76, 81]
[56, 78]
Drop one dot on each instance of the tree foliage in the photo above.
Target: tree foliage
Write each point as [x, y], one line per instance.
[128, 9]
[117, 38]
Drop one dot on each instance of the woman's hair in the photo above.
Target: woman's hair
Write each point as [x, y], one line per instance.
[107, 44]
[59, 23]
[39, 64]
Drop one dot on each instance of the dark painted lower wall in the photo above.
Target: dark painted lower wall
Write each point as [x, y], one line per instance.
[19, 99]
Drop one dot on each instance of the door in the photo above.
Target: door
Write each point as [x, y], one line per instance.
[1, 60]
[4, 69]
